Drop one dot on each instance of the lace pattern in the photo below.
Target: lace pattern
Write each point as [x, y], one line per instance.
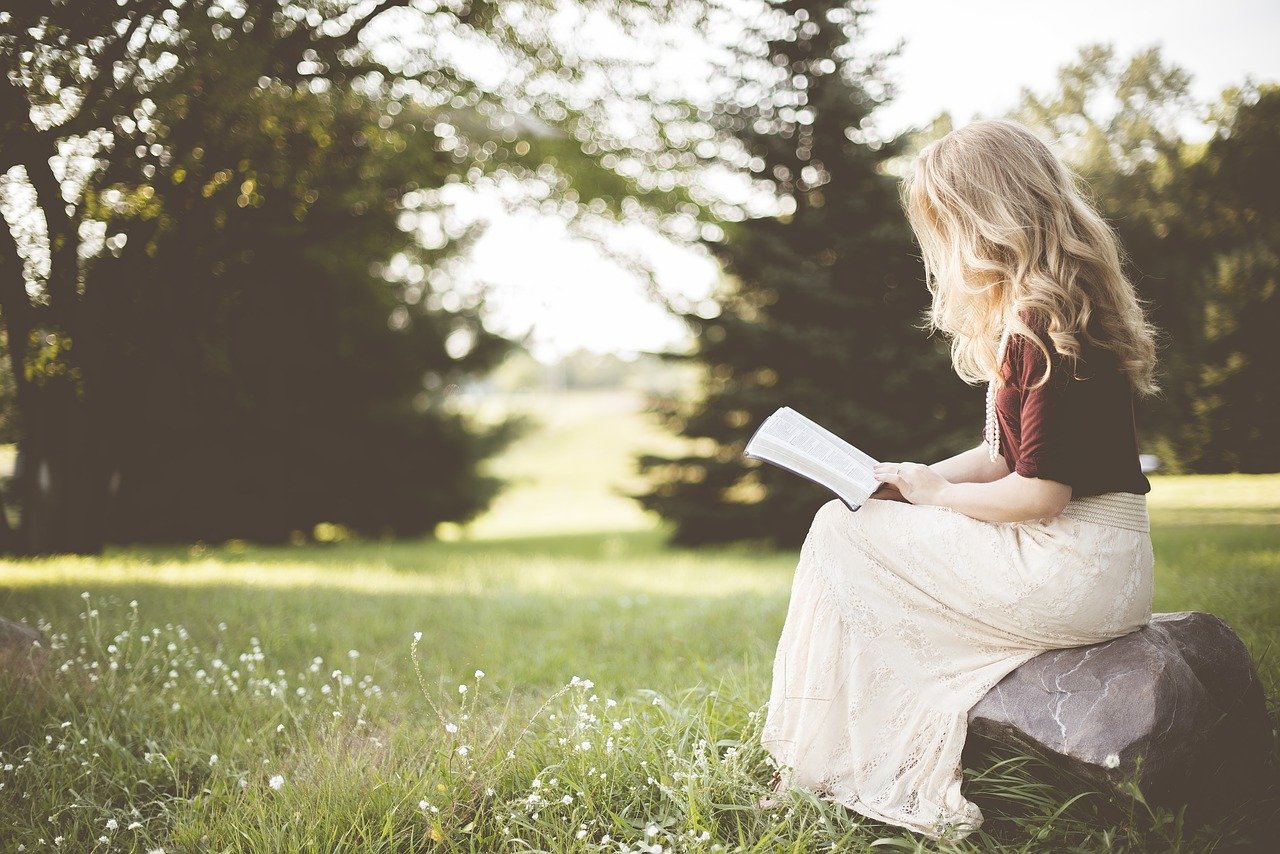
[902, 617]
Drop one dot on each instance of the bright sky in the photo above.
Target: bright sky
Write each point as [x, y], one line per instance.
[971, 57]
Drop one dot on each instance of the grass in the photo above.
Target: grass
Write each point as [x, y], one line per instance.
[624, 676]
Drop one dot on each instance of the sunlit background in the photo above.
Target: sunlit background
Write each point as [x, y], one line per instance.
[375, 375]
[970, 60]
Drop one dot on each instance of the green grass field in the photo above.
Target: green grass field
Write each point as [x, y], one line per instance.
[275, 699]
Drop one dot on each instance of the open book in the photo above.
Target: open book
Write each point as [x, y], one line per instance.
[789, 440]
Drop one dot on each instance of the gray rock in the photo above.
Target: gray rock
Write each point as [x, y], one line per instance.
[1177, 706]
[20, 648]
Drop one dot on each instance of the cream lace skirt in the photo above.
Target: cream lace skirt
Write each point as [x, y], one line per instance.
[902, 617]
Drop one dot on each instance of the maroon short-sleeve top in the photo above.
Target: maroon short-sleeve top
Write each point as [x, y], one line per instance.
[1078, 430]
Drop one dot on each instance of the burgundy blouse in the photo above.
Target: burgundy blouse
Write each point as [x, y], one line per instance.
[1077, 431]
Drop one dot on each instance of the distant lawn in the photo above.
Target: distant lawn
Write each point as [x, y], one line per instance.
[566, 578]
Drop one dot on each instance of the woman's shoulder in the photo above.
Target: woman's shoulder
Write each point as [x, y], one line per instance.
[1030, 358]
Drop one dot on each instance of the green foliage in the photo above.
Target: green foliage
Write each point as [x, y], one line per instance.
[1236, 187]
[1199, 225]
[254, 372]
[821, 310]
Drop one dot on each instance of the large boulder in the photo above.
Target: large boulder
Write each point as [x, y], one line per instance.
[1176, 706]
[20, 648]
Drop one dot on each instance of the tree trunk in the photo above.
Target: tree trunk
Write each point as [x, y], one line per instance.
[57, 477]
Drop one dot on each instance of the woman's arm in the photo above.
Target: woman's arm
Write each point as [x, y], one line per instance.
[972, 466]
[1012, 498]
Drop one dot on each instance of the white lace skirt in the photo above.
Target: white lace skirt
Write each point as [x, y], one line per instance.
[902, 617]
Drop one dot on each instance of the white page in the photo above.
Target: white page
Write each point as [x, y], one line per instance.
[798, 444]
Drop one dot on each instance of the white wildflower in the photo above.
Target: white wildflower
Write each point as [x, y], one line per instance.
[1112, 760]
[479, 674]
[276, 782]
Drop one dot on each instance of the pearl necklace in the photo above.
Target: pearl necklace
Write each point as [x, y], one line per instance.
[990, 432]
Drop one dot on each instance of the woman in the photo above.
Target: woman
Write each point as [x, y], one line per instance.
[905, 613]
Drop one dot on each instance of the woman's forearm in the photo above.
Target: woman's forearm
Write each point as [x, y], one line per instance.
[1012, 498]
[971, 466]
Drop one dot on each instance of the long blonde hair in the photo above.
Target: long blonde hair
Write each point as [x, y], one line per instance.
[1005, 232]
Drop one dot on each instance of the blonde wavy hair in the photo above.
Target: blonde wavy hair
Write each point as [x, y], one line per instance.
[1006, 232]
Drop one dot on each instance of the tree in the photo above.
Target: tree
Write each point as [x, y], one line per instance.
[1236, 191]
[94, 88]
[1198, 230]
[822, 304]
[248, 372]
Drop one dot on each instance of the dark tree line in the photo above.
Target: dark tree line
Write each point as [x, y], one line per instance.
[821, 306]
[204, 335]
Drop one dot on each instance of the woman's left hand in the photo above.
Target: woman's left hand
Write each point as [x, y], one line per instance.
[917, 482]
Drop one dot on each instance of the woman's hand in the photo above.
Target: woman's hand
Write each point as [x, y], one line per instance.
[917, 483]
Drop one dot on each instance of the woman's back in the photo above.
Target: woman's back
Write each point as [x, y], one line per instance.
[1079, 430]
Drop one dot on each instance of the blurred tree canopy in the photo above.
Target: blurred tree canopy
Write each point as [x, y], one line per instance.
[820, 305]
[1199, 224]
[224, 276]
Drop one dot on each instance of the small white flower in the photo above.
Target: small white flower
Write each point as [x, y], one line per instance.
[422, 805]
[489, 792]
[567, 799]
[463, 750]
[103, 839]
[353, 654]
[112, 824]
[462, 689]
[279, 727]
[451, 727]
[479, 674]
[134, 825]
[276, 782]
[417, 636]
[213, 759]
[1112, 760]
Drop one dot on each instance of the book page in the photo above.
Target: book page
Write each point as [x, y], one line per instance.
[793, 442]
